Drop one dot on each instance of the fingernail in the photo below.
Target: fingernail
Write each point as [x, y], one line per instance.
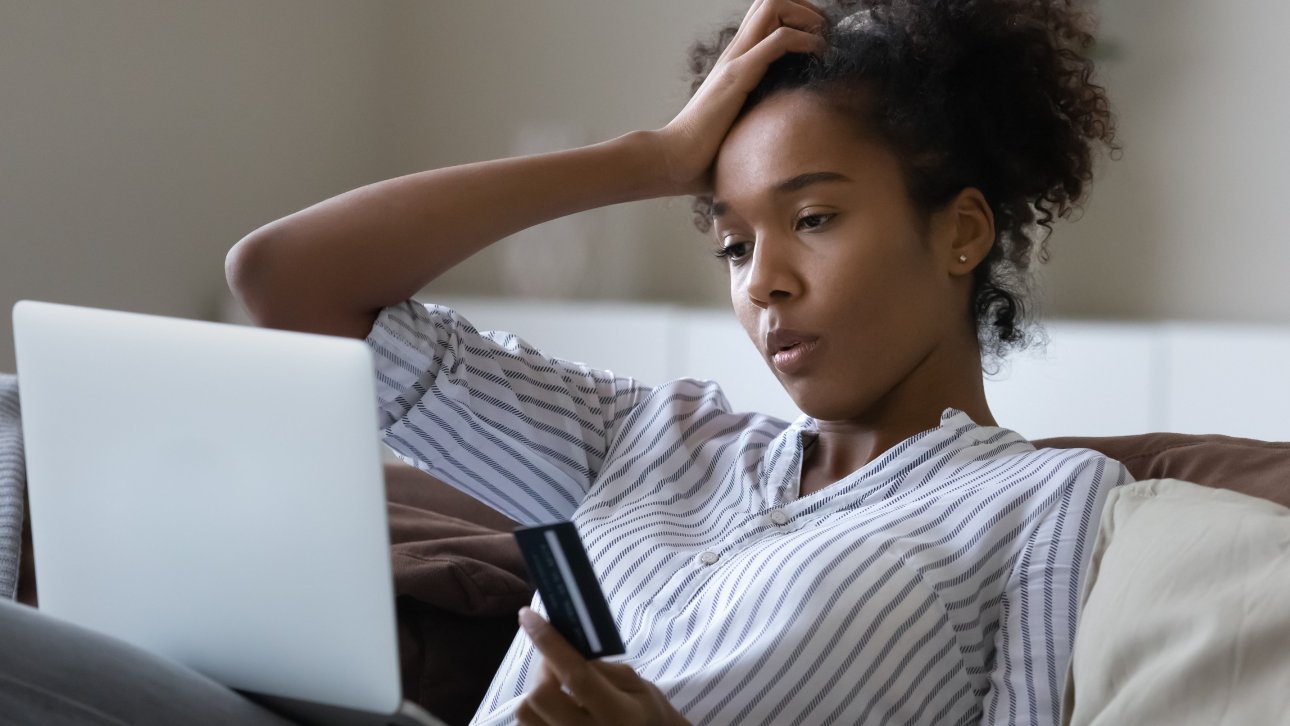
[528, 619]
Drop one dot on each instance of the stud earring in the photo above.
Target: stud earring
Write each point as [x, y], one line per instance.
[962, 258]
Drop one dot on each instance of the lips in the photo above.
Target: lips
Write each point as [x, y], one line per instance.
[784, 338]
[790, 350]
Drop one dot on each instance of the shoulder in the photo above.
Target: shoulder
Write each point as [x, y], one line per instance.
[1067, 490]
[695, 410]
[411, 333]
[412, 319]
[1059, 465]
[1082, 466]
[1047, 478]
[694, 397]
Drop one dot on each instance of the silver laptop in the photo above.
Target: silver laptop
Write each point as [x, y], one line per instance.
[214, 494]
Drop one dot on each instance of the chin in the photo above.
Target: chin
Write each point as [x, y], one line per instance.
[825, 412]
[833, 399]
[819, 401]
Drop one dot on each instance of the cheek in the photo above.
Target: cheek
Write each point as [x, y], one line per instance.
[881, 293]
[745, 312]
[738, 291]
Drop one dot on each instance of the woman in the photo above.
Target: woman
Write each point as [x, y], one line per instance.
[871, 175]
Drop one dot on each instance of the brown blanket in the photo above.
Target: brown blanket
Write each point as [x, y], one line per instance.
[1252, 467]
[459, 587]
[460, 582]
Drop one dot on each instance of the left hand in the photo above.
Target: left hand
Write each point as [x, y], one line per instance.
[598, 692]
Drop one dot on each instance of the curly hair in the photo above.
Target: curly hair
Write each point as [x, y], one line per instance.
[992, 94]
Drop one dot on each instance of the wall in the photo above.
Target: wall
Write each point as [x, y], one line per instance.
[140, 140]
[1187, 224]
[498, 78]
[1095, 379]
[1183, 226]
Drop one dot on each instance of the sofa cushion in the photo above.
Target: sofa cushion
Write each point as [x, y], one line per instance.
[408, 485]
[1257, 468]
[458, 587]
[1184, 618]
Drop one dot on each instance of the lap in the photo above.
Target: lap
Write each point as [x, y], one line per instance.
[59, 674]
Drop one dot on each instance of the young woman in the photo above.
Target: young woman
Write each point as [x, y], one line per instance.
[877, 177]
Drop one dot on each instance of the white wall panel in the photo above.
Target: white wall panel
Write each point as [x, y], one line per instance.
[1232, 380]
[631, 340]
[1093, 379]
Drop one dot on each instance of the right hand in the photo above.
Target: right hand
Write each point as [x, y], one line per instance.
[771, 28]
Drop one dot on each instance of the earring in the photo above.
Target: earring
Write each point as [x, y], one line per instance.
[962, 258]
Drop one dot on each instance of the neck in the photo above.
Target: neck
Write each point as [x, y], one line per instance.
[946, 378]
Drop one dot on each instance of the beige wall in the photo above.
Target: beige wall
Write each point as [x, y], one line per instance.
[1188, 224]
[139, 140]
[497, 78]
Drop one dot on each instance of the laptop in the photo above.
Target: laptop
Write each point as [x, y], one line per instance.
[214, 493]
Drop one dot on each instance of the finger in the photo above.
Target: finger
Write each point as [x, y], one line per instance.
[739, 44]
[752, 11]
[586, 684]
[747, 22]
[783, 40]
[553, 705]
[526, 715]
[786, 12]
[621, 675]
[811, 5]
[547, 677]
[763, 19]
[802, 16]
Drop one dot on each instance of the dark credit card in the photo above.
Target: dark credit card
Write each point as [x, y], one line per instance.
[575, 605]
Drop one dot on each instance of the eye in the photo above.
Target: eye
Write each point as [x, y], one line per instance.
[813, 221]
[735, 252]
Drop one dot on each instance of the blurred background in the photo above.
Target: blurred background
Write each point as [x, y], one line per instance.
[139, 140]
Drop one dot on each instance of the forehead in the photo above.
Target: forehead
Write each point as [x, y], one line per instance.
[791, 134]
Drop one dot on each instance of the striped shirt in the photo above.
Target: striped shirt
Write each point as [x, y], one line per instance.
[937, 584]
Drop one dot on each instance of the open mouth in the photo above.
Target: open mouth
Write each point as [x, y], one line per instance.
[791, 358]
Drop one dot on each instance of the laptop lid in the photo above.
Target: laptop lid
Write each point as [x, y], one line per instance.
[214, 494]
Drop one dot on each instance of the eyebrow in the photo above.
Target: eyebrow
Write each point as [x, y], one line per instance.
[792, 184]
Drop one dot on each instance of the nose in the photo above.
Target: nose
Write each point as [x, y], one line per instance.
[772, 273]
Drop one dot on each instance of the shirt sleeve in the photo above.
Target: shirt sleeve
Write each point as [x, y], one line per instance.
[1040, 606]
[523, 432]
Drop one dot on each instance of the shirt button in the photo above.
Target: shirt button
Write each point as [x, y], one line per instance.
[709, 558]
[779, 517]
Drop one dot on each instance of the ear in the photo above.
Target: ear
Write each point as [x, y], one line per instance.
[965, 232]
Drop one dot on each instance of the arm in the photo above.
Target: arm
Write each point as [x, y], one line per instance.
[332, 267]
[1040, 606]
[523, 432]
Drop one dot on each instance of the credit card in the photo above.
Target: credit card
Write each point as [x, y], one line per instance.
[575, 604]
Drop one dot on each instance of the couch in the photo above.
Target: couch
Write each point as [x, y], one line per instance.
[459, 581]
[1244, 473]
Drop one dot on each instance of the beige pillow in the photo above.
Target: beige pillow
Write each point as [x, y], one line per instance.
[1186, 611]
